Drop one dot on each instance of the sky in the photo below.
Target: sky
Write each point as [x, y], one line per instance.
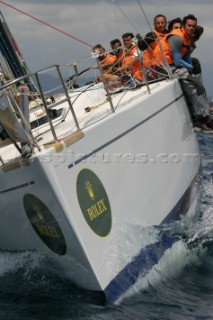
[98, 21]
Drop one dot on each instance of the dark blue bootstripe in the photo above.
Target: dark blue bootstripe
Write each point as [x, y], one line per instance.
[149, 255]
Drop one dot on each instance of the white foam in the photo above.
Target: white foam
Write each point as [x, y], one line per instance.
[169, 266]
[12, 262]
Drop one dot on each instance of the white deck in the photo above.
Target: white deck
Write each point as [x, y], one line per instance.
[95, 99]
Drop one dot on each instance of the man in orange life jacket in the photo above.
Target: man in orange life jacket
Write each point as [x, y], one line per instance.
[117, 48]
[106, 63]
[177, 50]
[131, 60]
[152, 38]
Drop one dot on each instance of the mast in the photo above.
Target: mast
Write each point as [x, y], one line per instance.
[12, 63]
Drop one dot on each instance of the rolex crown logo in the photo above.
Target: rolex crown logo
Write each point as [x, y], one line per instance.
[90, 190]
[38, 212]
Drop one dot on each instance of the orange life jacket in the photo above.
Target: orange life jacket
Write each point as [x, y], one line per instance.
[165, 46]
[119, 58]
[107, 62]
[148, 53]
[135, 68]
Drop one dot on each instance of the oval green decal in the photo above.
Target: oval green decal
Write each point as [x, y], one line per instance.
[44, 224]
[94, 202]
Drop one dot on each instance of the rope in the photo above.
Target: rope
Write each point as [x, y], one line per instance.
[88, 109]
[47, 24]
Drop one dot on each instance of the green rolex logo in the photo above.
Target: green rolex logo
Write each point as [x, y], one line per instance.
[44, 224]
[94, 202]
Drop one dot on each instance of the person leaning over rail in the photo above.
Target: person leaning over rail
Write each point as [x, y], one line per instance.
[151, 39]
[106, 63]
[131, 61]
[177, 24]
[177, 50]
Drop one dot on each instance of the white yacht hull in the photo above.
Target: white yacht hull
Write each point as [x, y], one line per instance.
[81, 203]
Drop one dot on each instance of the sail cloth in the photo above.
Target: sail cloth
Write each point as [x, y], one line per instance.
[9, 120]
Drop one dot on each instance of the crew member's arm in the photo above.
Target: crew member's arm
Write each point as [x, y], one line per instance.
[143, 43]
[176, 43]
[135, 57]
[128, 64]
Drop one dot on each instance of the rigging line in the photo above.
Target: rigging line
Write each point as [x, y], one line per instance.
[147, 20]
[116, 18]
[124, 15]
[47, 24]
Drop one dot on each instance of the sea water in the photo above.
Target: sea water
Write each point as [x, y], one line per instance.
[179, 287]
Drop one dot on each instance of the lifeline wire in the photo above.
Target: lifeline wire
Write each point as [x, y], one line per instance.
[47, 24]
